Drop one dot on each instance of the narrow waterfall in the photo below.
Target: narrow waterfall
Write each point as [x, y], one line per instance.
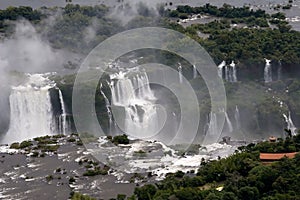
[290, 124]
[227, 73]
[180, 73]
[237, 118]
[132, 92]
[107, 105]
[31, 113]
[229, 124]
[194, 72]
[220, 68]
[279, 71]
[268, 71]
[233, 72]
[212, 124]
[62, 123]
[230, 71]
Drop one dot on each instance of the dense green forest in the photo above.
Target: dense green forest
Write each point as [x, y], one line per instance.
[267, 35]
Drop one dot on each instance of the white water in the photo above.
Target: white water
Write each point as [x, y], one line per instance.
[107, 105]
[233, 72]
[31, 112]
[180, 73]
[194, 72]
[279, 71]
[230, 71]
[220, 68]
[268, 71]
[158, 159]
[132, 92]
[227, 73]
[213, 124]
[229, 124]
[63, 125]
[237, 118]
[290, 124]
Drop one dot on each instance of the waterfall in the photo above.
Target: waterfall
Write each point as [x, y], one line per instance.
[237, 118]
[227, 73]
[212, 126]
[107, 105]
[194, 72]
[268, 71]
[279, 71]
[233, 72]
[132, 92]
[31, 113]
[220, 68]
[230, 128]
[180, 73]
[290, 124]
[63, 117]
[230, 71]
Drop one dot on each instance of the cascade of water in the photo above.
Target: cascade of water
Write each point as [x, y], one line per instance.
[31, 113]
[212, 126]
[230, 71]
[233, 72]
[268, 71]
[133, 93]
[180, 73]
[279, 71]
[290, 124]
[230, 128]
[237, 118]
[227, 73]
[194, 72]
[220, 68]
[107, 105]
[63, 125]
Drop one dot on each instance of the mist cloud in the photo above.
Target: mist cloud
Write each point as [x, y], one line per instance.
[26, 51]
[128, 10]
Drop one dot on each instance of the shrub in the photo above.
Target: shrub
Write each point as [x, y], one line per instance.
[25, 144]
[120, 139]
[15, 145]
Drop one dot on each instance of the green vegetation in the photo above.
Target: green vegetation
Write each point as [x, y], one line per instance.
[136, 177]
[120, 139]
[14, 13]
[140, 153]
[71, 180]
[251, 46]
[15, 145]
[93, 168]
[96, 171]
[240, 176]
[49, 178]
[25, 144]
[121, 197]
[79, 196]
[290, 144]
[226, 11]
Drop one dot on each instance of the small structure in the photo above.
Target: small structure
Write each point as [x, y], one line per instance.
[270, 157]
[272, 139]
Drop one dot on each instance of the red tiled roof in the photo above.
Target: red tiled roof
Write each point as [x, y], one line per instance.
[276, 156]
